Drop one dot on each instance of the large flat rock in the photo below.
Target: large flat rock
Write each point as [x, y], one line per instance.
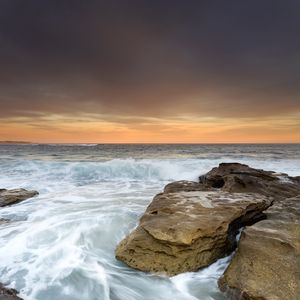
[188, 229]
[9, 197]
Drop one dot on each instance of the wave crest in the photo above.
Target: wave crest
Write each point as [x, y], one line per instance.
[117, 169]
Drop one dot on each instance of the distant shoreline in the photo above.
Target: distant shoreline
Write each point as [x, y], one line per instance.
[62, 144]
[14, 142]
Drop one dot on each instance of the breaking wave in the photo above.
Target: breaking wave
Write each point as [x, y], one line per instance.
[80, 173]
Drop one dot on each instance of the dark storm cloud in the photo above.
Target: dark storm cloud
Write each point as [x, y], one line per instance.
[211, 58]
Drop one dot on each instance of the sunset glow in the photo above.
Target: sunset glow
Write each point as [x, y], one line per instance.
[113, 72]
[188, 129]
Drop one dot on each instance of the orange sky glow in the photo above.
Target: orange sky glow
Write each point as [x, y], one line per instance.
[181, 129]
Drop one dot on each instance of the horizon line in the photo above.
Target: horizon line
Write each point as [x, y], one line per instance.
[145, 143]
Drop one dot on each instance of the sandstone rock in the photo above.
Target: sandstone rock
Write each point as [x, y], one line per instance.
[266, 265]
[8, 294]
[191, 224]
[235, 177]
[184, 186]
[188, 229]
[9, 197]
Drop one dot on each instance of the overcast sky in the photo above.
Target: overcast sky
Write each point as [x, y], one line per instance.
[150, 71]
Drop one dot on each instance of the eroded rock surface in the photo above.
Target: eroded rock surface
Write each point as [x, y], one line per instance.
[266, 265]
[8, 294]
[239, 178]
[9, 197]
[185, 186]
[191, 224]
[186, 228]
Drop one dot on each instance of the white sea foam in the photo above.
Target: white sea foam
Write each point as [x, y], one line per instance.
[32, 172]
[203, 282]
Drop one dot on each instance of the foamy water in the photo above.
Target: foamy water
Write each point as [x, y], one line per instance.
[61, 243]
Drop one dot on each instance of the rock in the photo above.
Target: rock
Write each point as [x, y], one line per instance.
[9, 197]
[191, 224]
[8, 294]
[239, 178]
[4, 221]
[186, 228]
[266, 265]
[184, 186]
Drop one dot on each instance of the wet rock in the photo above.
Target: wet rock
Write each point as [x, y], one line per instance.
[240, 178]
[184, 229]
[266, 265]
[9, 197]
[184, 186]
[4, 221]
[191, 224]
[8, 294]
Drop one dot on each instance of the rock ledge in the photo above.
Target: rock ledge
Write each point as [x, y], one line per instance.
[192, 224]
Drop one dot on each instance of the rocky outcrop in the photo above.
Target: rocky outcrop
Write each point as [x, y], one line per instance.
[9, 197]
[192, 224]
[239, 178]
[266, 265]
[184, 231]
[8, 294]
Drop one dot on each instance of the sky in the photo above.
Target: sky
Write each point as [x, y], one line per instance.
[150, 71]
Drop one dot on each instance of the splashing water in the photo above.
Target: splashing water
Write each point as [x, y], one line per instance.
[61, 243]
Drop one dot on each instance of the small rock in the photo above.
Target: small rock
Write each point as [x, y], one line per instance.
[4, 221]
[8, 294]
[9, 197]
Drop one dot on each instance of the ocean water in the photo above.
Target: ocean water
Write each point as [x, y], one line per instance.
[61, 243]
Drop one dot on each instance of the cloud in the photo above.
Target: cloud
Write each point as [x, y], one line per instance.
[149, 59]
[95, 128]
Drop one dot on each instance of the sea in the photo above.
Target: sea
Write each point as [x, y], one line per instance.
[60, 245]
